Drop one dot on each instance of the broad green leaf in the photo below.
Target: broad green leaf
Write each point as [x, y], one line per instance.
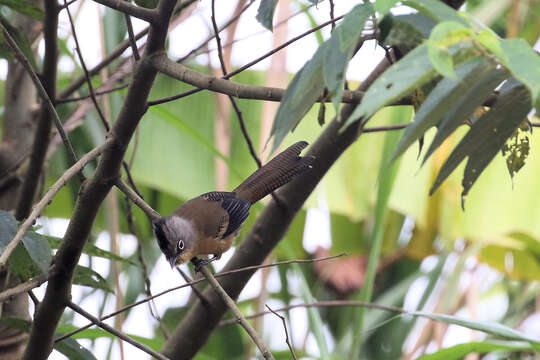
[460, 351]
[488, 135]
[413, 71]
[436, 9]
[73, 350]
[524, 63]
[451, 102]
[96, 333]
[91, 250]
[489, 327]
[326, 68]
[8, 229]
[38, 248]
[488, 39]
[24, 7]
[265, 13]
[340, 49]
[441, 60]
[518, 264]
[406, 31]
[383, 6]
[387, 175]
[315, 321]
[88, 277]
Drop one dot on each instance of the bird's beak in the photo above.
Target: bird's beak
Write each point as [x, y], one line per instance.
[172, 261]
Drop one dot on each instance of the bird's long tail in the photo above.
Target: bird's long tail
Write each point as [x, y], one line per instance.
[277, 172]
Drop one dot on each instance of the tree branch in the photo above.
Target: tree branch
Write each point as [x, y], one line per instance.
[272, 224]
[113, 331]
[93, 192]
[240, 318]
[125, 7]
[25, 286]
[180, 72]
[46, 200]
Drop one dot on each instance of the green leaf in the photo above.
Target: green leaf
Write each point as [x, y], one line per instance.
[383, 6]
[340, 49]
[24, 7]
[91, 250]
[38, 248]
[460, 351]
[8, 229]
[451, 102]
[265, 13]
[441, 60]
[437, 10]
[326, 68]
[488, 327]
[524, 63]
[413, 71]
[488, 135]
[387, 176]
[88, 277]
[73, 350]
[488, 39]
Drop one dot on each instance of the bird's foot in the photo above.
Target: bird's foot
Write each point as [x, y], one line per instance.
[199, 263]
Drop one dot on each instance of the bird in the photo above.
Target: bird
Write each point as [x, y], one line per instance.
[208, 223]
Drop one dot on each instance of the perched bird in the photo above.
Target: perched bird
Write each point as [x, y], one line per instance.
[208, 223]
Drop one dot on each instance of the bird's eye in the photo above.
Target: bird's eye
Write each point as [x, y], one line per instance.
[181, 245]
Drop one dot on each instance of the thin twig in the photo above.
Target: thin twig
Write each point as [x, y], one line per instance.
[131, 36]
[233, 101]
[248, 65]
[226, 273]
[240, 318]
[46, 200]
[137, 200]
[42, 92]
[332, 15]
[385, 128]
[96, 93]
[85, 70]
[330, 303]
[286, 333]
[113, 331]
[148, 15]
[25, 286]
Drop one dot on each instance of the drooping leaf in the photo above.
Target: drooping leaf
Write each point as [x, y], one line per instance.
[38, 248]
[8, 229]
[488, 327]
[340, 50]
[437, 10]
[265, 13]
[488, 135]
[442, 60]
[414, 70]
[524, 63]
[451, 102]
[73, 350]
[383, 6]
[516, 149]
[88, 277]
[326, 68]
[24, 7]
[460, 351]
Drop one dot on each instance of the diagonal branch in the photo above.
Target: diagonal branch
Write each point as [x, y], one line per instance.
[181, 72]
[113, 331]
[197, 325]
[94, 190]
[130, 9]
[240, 318]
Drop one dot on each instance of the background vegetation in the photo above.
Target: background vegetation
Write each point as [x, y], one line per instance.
[417, 266]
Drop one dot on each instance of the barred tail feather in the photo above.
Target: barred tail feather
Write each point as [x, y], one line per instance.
[277, 172]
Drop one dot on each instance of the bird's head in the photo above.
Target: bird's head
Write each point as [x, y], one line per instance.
[176, 238]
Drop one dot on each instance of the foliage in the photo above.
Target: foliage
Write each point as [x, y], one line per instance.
[472, 92]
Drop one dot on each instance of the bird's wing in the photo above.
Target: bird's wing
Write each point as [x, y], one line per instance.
[238, 210]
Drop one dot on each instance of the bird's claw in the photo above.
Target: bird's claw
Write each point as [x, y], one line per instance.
[199, 263]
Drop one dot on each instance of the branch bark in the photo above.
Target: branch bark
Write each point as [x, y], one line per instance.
[272, 224]
[94, 190]
[131, 9]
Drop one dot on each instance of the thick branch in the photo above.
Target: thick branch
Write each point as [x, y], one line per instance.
[180, 72]
[93, 192]
[271, 226]
[43, 130]
[131, 9]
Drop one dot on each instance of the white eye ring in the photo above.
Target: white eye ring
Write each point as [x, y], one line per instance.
[181, 245]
